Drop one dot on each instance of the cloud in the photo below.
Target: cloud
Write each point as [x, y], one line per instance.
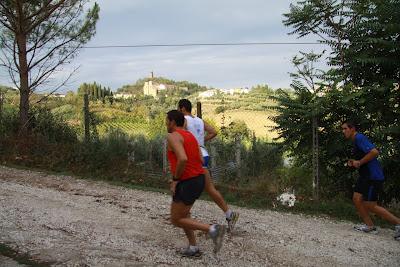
[127, 22]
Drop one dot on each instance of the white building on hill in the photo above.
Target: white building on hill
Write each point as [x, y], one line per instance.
[208, 93]
[235, 91]
[123, 96]
[154, 88]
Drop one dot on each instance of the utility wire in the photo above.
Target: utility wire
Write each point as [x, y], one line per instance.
[200, 44]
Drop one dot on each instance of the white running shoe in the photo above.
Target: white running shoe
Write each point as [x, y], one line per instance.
[218, 236]
[397, 232]
[232, 221]
[366, 229]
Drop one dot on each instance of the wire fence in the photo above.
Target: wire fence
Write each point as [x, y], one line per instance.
[238, 153]
[243, 147]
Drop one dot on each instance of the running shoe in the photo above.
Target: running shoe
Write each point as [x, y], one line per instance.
[397, 232]
[366, 229]
[218, 236]
[188, 252]
[232, 221]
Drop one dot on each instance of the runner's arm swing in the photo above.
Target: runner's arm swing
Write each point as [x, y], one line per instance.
[211, 132]
[371, 155]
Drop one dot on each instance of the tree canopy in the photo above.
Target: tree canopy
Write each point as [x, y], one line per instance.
[38, 38]
[364, 59]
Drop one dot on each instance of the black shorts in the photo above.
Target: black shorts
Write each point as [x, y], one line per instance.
[188, 191]
[370, 189]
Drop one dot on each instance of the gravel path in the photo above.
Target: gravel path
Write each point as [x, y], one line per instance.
[73, 222]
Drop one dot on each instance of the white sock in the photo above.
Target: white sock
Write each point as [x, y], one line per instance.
[193, 248]
[212, 230]
[228, 214]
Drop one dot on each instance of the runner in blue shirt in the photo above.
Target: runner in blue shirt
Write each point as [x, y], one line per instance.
[370, 181]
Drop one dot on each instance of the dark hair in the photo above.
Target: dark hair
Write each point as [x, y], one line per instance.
[350, 124]
[185, 103]
[177, 117]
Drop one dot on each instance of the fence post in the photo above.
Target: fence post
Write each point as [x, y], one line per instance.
[213, 156]
[315, 158]
[237, 155]
[1, 104]
[255, 162]
[86, 117]
[165, 162]
[151, 154]
[199, 113]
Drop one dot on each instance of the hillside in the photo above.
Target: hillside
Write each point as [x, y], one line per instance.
[137, 87]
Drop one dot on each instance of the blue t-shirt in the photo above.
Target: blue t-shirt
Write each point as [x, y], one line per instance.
[371, 170]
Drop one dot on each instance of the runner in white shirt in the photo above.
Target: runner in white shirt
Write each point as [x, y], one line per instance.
[198, 128]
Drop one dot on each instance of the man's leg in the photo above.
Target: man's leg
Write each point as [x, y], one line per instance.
[231, 216]
[213, 192]
[373, 207]
[180, 217]
[361, 208]
[190, 234]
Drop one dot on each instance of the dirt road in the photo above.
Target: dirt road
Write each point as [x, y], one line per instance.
[73, 222]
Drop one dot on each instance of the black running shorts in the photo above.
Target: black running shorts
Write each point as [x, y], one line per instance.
[370, 189]
[187, 191]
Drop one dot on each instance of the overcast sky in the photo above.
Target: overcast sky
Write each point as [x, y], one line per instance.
[133, 22]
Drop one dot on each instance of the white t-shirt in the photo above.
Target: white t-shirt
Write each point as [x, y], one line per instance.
[195, 125]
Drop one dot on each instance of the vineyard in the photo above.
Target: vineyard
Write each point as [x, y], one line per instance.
[130, 128]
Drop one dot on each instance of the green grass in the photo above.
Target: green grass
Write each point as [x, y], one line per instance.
[130, 128]
[340, 209]
[257, 121]
[21, 258]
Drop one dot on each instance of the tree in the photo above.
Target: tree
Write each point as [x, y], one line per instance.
[365, 60]
[38, 38]
[328, 20]
[374, 43]
[236, 130]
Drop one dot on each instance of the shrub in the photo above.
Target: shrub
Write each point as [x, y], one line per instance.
[220, 109]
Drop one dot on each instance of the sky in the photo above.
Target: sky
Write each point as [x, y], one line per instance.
[136, 22]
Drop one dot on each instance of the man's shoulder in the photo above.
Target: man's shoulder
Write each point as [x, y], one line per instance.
[173, 136]
[363, 141]
[191, 119]
[360, 137]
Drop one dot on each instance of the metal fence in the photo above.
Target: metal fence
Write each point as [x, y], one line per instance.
[232, 153]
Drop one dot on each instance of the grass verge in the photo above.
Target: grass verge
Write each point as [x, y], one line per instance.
[21, 258]
[338, 209]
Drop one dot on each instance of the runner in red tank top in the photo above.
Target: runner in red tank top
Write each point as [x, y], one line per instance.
[187, 184]
[194, 162]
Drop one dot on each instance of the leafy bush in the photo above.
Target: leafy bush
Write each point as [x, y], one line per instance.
[8, 122]
[220, 109]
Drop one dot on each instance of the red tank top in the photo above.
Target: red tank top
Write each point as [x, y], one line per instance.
[194, 165]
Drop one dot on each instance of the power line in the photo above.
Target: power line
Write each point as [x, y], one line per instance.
[200, 44]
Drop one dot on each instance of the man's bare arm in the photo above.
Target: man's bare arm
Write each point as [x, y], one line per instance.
[211, 132]
[370, 156]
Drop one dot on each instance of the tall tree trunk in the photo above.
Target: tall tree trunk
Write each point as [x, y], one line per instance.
[24, 84]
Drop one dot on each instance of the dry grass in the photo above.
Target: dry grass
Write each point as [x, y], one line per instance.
[257, 121]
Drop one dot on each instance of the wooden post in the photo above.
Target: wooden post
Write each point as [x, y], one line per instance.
[86, 117]
[255, 162]
[1, 104]
[199, 114]
[238, 156]
[213, 157]
[151, 154]
[315, 158]
[165, 162]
